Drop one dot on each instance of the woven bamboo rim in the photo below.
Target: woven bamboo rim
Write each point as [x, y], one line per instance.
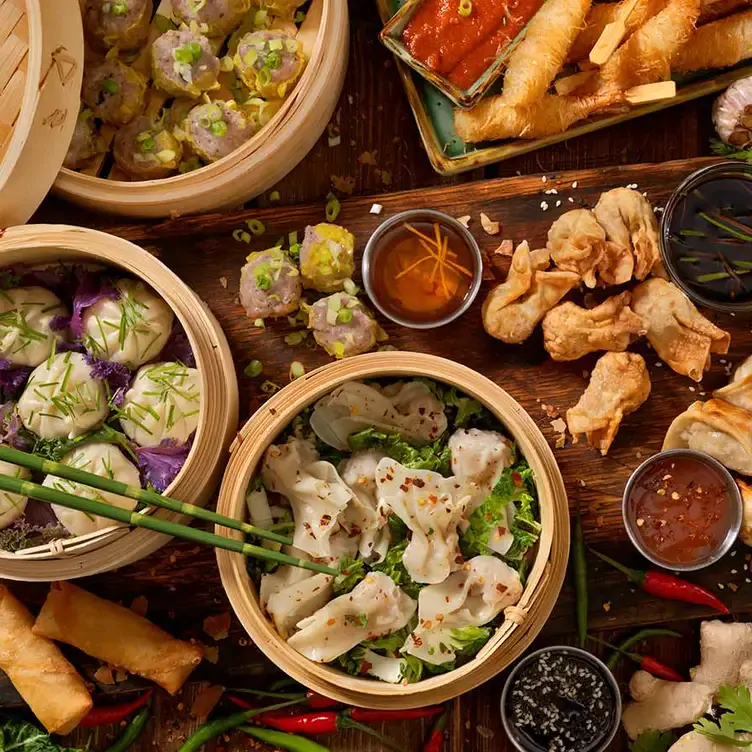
[259, 163]
[41, 56]
[524, 621]
[110, 549]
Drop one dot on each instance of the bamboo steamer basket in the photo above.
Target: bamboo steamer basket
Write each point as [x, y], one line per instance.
[115, 547]
[41, 66]
[523, 622]
[257, 165]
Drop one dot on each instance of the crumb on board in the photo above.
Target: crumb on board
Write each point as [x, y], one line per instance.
[490, 227]
[559, 425]
[464, 220]
[343, 184]
[217, 626]
[368, 158]
[376, 208]
[607, 606]
[206, 700]
[223, 282]
[506, 248]
[733, 587]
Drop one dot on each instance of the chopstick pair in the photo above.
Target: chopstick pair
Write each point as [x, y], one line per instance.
[118, 514]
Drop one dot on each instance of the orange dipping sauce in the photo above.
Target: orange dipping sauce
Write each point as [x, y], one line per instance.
[411, 281]
[680, 509]
[462, 47]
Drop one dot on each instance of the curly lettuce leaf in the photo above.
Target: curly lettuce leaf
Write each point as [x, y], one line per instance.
[393, 566]
[462, 411]
[516, 486]
[352, 571]
[20, 736]
[436, 456]
[468, 641]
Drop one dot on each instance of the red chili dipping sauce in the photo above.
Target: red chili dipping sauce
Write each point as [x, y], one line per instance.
[461, 40]
[680, 509]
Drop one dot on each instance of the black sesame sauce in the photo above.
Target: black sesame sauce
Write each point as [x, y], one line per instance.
[560, 703]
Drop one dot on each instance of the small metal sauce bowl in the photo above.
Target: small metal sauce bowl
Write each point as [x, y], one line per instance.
[735, 517]
[422, 215]
[513, 733]
[699, 177]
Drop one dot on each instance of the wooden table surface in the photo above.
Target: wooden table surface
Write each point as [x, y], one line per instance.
[181, 581]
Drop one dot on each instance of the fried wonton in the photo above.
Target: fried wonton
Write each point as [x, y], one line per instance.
[679, 333]
[739, 390]
[629, 221]
[513, 309]
[569, 332]
[717, 428]
[619, 384]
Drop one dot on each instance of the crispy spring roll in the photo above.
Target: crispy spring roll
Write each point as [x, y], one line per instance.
[116, 635]
[492, 119]
[718, 44]
[534, 63]
[49, 684]
[602, 14]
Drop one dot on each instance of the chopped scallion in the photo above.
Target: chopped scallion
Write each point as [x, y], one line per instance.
[296, 370]
[269, 387]
[256, 226]
[465, 7]
[254, 369]
[333, 208]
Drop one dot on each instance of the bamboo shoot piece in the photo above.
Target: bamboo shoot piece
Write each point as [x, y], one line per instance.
[651, 92]
[612, 35]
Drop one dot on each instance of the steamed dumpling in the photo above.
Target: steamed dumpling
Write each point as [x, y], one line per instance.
[375, 607]
[12, 506]
[163, 403]
[132, 329]
[26, 318]
[62, 399]
[717, 428]
[107, 461]
[478, 460]
[296, 602]
[471, 597]
[408, 408]
[431, 506]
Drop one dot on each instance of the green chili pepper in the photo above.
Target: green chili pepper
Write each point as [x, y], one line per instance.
[579, 570]
[132, 731]
[213, 729]
[290, 742]
[643, 634]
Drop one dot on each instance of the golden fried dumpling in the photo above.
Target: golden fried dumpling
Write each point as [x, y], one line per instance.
[513, 309]
[739, 390]
[619, 384]
[745, 534]
[679, 333]
[717, 428]
[629, 221]
[569, 332]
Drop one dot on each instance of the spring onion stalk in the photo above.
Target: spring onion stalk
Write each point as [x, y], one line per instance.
[333, 208]
[92, 507]
[49, 467]
[726, 227]
[713, 277]
[254, 368]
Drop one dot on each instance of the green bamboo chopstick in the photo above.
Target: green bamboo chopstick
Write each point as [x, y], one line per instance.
[90, 506]
[33, 462]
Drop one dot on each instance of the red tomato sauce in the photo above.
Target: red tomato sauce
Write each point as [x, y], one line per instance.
[461, 48]
[680, 509]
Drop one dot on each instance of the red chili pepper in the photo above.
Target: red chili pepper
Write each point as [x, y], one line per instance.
[667, 586]
[363, 715]
[315, 700]
[109, 714]
[646, 663]
[435, 740]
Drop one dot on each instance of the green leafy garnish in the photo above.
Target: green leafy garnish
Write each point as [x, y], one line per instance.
[464, 412]
[352, 571]
[653, 741]
[20, 736]
[516, 486]
[357, 620]
[392, 565]
[732, 152]
[467, 641]
[737, 701]
[435, 456]
[56, 449]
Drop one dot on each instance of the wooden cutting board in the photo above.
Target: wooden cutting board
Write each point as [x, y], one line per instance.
[181, 582]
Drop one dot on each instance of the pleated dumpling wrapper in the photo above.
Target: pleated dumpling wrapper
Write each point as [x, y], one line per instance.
[116, 635]
[49, 684]
[739, 390]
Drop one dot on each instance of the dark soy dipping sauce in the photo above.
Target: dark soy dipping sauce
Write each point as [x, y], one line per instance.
[560, 703]
[710, 240]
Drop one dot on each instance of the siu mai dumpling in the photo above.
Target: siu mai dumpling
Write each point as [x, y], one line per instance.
[570, 332]
[679, 333]
[619, 384]
[431, 506]
[629, 222]
[717, 428]
[375, 607]
[513, 309]
[739, 390]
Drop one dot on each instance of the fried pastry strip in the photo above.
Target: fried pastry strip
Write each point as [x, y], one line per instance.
[718, 44]
[534, 63]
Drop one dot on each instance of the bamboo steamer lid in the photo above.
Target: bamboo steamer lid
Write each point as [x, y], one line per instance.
[523, 622]
[41, 66]
[115, 547]
[257, 165]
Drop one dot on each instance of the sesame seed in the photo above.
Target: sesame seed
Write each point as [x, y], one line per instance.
[544, 205]
[574, 184]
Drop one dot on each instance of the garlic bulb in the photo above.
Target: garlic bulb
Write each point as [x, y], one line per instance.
[732, 114]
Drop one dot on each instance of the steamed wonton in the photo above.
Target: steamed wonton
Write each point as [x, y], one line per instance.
[619, 384]
[578, 244]
[739, 390]
[569, 332]
[409, 408]
[679, 333]
[717, 428]
[513, 309]
[629, 222]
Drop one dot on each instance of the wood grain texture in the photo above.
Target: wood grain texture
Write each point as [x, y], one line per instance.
[181, 581]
